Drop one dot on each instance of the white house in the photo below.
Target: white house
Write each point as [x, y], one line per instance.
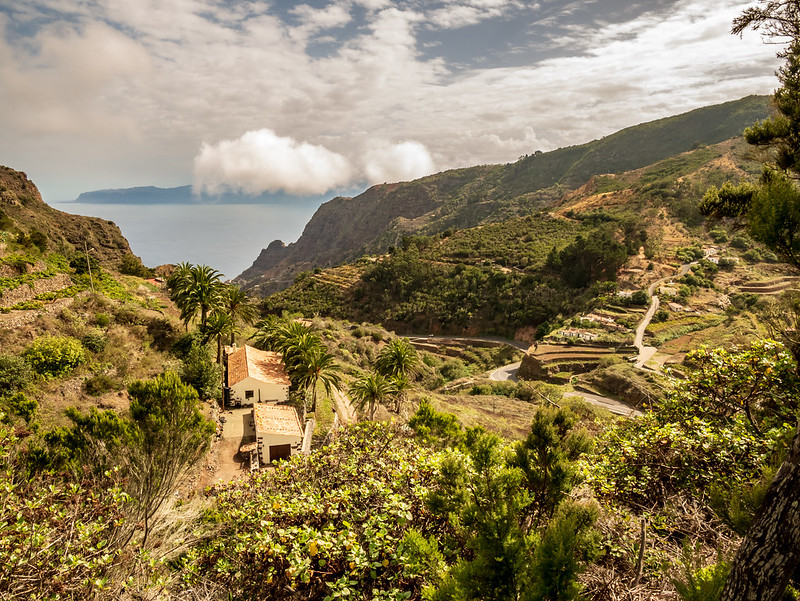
[255, 376]
[278, 432]
[576, 333]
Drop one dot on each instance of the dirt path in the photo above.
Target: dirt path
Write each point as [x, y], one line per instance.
[646, 352]
[344, 408]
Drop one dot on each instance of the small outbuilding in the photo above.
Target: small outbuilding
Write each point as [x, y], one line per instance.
[256, 376]
[278, 432]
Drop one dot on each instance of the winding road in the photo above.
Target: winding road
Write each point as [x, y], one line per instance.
[509, 372]
[646, 352]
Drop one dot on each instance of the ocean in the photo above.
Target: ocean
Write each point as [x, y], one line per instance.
[228, 237]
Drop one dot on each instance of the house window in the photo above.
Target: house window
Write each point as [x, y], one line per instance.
[248, 394]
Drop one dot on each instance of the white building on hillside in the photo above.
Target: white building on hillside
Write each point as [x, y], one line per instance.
[256, 376]
[279, 434]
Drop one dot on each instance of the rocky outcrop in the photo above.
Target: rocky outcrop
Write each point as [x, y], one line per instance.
[22, 205]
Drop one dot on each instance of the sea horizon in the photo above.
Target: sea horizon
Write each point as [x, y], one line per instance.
[227, 237]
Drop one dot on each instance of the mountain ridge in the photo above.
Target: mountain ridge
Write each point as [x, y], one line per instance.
[145, 195]
[347, 227]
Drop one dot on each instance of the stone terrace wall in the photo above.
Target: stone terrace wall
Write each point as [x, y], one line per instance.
[27, 292]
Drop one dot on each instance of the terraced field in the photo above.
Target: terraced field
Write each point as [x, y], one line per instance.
[342, 277]
[771, 287]
[544, 361]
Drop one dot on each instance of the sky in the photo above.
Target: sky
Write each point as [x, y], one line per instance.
[275, 96]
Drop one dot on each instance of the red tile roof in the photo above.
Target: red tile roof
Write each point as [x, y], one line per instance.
[277, 419]
[250, 362]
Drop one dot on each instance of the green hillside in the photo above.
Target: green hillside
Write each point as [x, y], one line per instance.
[525, 273]
[344, 228]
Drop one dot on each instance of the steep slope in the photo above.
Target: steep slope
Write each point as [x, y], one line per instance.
[345, 228]
[513, 277]
[22, 209]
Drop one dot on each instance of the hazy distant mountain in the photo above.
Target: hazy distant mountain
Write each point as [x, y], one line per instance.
[344, 228]
[184, 195]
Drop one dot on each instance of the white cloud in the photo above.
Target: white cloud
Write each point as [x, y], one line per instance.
[157, 78]
[68, 79]
[261, 161]
[454, 15]
[314, 19]
[397, 162]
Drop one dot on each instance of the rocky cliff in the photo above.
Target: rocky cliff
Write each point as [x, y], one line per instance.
[23, 210]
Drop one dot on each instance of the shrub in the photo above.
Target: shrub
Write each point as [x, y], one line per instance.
[479, 389]
[700, 583]
[82, 262]
[453, 369]
[22, 406]
[132, 265]
[199, 371]
[740, 242]
[718, 235]
[55, 356]
[15, 374]
[752, 256]
[100, 384]
[94, 342]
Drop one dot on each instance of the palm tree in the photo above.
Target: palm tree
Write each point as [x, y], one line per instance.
[205, 290]
[401, 384]
[274, 333]
[266, 335]
[397, 358]
[178, 283]
[398, 361]
[317, 365]
[296, 348]
[196, 288]
[369, 390]
[239, 306]
[218, 325]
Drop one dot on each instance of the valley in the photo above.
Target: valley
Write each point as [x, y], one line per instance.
[504, 374]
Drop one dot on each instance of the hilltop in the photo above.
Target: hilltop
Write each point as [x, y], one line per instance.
[22, 211]
[345, 228]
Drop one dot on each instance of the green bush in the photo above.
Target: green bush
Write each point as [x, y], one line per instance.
[453, 369]
[199, 371]
[21, 405]
[132, 265]
[700, 583]
[102, 320]
[740, 242]
[15, 373]
[100, 384]
[718, 235]
[55, 356]
[94, 342]
[84, 263]
[753, 256]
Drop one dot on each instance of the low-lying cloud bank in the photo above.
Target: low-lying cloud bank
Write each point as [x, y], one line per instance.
[262, 161]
